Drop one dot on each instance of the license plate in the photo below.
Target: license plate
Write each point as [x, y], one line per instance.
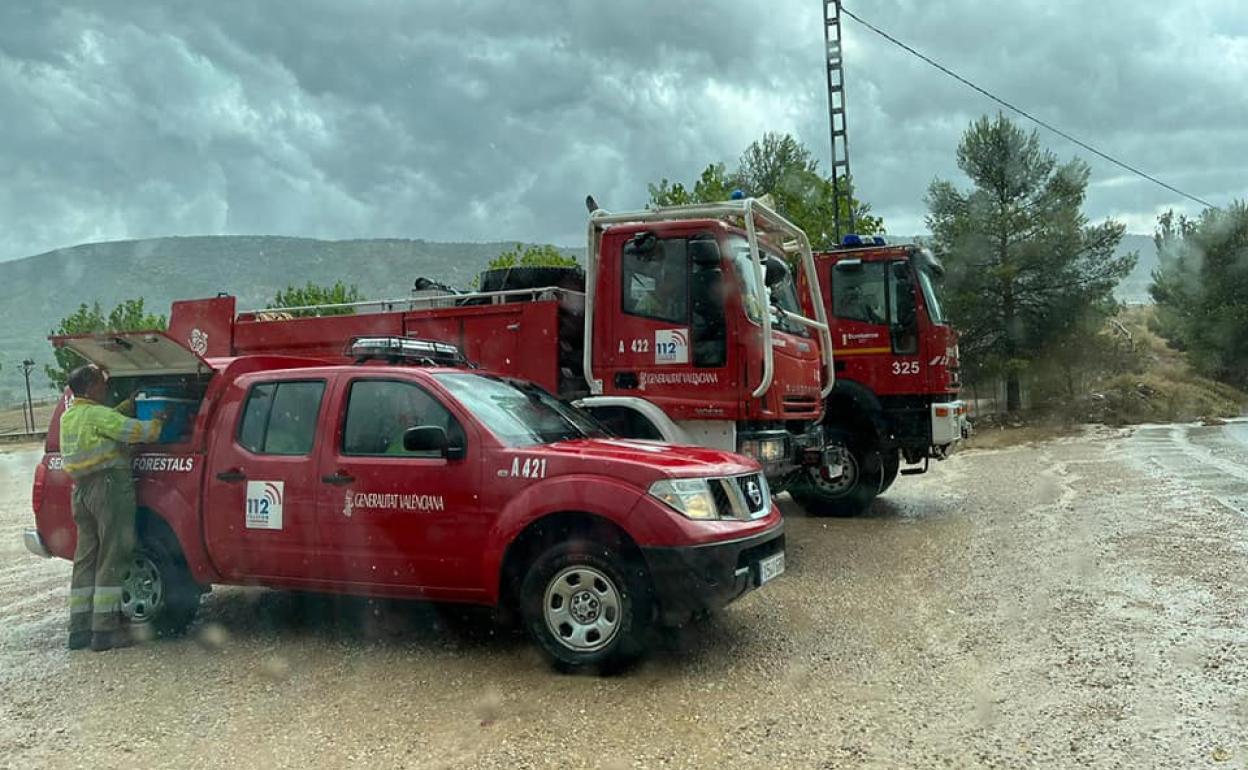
[771, 567]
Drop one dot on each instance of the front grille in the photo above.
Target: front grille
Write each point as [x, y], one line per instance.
[723, 501]
[733, 496]
[753, 483]
[800, 403]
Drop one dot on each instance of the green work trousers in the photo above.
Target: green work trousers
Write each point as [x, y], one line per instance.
[103, 506]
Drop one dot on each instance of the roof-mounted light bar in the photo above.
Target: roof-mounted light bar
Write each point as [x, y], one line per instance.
[405, 350]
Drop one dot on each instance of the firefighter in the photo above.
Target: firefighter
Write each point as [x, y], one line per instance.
[93, 447]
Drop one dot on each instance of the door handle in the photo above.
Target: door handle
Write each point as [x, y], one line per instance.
[233, 474]
[338, 478]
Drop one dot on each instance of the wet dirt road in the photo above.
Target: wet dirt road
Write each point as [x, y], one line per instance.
[1077, 603]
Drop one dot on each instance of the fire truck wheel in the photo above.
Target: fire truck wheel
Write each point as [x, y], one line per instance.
[583, 608]
[892, 464]
[159, 596]
[851, 493]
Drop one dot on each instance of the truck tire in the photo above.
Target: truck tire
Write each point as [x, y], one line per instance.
[892, 465]
[159, 596]
[851, 494]
[585, 608]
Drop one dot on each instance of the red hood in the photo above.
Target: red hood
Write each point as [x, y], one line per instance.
[670, 460]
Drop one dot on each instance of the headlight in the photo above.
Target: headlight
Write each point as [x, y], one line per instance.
[692, 497]
[767, 450]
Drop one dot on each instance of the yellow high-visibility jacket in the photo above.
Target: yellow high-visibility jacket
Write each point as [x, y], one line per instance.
[93, 436]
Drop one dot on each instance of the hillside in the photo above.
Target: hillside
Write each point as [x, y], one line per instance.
[42, 289]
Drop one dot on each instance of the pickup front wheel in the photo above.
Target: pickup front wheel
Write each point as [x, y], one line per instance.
[158, 593]
[584, 607]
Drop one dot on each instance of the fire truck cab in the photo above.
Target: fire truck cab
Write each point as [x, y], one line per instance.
[895, 395]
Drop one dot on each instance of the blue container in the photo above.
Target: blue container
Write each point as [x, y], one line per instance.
[179, 412]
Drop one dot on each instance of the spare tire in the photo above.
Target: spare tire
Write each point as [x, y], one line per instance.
[508, 278]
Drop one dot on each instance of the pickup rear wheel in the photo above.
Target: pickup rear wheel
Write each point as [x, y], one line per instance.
[158, 594]
[584, 607]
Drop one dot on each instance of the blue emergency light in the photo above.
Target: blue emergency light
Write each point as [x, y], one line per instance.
[878, 240]
[738, 195]
[851, 240]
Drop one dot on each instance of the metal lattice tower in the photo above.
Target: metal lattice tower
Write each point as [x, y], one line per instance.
[836, 114]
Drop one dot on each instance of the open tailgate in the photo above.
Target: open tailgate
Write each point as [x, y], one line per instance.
[134, 354]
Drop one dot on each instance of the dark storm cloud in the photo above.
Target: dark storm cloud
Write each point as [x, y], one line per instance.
[483, 120]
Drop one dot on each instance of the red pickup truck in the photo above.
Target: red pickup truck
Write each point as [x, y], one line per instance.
[412, 474]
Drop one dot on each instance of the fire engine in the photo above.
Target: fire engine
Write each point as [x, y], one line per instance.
[895, 396]
[686, 326]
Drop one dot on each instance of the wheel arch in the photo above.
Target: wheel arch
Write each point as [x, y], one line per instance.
[639, 408]
[853, 406]
[551, 529]
[150, 524]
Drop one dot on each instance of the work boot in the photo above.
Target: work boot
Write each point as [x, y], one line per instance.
[79, 640]
[110, 640]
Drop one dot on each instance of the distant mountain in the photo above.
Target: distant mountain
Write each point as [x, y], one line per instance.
[42, 289]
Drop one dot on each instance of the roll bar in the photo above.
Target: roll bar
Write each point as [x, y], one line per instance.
[757, 217]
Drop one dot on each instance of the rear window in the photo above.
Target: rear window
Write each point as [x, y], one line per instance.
[279, 418]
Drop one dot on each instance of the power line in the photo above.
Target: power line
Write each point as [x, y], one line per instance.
[1021, 111]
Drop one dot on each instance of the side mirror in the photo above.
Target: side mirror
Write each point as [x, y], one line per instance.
[641, 245]
[774, 271]
[704, 253]
[431, 438]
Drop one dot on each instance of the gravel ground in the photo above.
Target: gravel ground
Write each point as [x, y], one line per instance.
[1074, 603]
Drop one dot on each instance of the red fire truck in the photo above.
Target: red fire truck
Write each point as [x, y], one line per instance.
[686, 326]
[895, 395]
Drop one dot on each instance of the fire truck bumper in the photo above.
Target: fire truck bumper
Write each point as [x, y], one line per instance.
[949, 423]
[695, 580]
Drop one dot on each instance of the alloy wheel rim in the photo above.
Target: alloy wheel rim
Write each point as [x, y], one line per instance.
[582, 608]
[142, 590]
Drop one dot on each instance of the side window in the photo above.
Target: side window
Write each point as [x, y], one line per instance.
[279, 418]
[655, 276]
[902, 309]
[256, 417]
[858, 292]
[380, 411]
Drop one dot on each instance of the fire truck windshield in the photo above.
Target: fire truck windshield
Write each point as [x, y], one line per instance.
[782, 294]
[784, 297]
[519, 414]
[739, 248]
[931, 297]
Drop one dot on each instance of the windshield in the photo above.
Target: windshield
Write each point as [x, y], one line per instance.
[519, 414]
[739, 251]
[784, 297]
[782, 294]
[929, 284]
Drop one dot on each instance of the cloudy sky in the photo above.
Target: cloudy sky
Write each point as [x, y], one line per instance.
[485, 119]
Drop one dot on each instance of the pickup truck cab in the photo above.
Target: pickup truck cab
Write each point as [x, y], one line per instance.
[411, 474]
